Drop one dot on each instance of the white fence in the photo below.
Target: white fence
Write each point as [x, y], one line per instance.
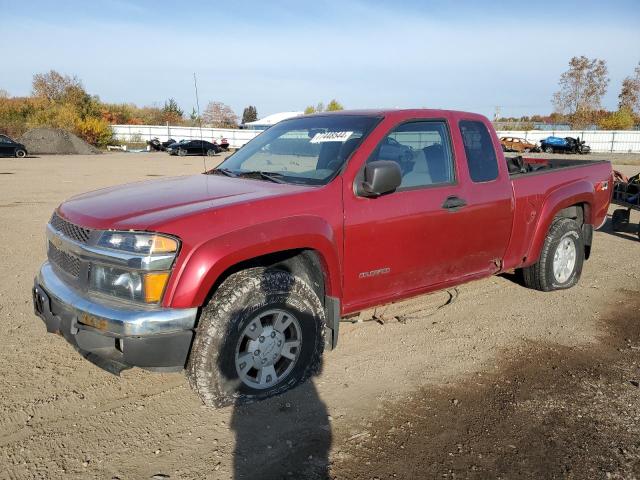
[613, 141]
[617, 141]
[128, 133]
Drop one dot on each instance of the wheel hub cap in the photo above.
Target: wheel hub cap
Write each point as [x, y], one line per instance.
[564, 260]
[268, 349]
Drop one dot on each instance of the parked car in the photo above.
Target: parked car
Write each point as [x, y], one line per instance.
[240, 275]
[157, 145]
[193, 147]
[11, 148]
[564, 145]
[520, 145]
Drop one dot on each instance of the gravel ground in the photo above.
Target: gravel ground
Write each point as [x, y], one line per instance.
[489, 380]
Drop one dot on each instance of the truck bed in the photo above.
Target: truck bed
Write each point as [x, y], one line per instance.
[519, 166]
[543, 179]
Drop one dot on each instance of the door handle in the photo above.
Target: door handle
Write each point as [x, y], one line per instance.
[453, 203]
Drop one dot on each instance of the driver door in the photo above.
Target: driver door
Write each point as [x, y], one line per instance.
[405, 240]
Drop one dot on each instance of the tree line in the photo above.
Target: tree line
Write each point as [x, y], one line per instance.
[61, 101]
[578, 101]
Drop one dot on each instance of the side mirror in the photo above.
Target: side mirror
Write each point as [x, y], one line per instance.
[380, 177]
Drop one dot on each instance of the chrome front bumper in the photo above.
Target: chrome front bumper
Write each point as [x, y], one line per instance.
[154, 338]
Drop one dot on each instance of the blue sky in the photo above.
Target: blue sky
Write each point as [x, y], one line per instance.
[284, 55]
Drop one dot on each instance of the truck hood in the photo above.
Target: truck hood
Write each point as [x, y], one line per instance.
[143, 205]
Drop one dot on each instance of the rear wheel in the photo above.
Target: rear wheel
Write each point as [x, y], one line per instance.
[620, 220]
[20, 153]
[561, 259]
[261, 334]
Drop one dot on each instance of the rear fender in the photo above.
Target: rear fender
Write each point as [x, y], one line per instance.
[192, 283]
[580, 192]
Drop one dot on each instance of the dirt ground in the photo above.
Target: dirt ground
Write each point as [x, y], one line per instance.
[489, 380]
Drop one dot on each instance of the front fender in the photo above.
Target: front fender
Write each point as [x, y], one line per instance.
[196, 275]
[560, 198]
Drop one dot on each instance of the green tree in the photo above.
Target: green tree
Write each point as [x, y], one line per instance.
[309, 110]
[249, 114]
[334, 106]
[171, 112]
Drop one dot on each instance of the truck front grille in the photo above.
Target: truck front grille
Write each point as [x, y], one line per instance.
[65, 261]
[68, 229]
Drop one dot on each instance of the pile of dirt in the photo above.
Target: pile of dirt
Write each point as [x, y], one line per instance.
[55, 141]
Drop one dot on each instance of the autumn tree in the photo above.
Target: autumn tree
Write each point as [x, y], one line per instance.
[4, 93]
[334, 106]
[55, 86]
[219, 115]
[630, 94]
[250, 114]
[582, 87]
[620, 120]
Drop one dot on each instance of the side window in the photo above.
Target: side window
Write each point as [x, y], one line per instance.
[422, 150]
[481, 156]
[4, 139]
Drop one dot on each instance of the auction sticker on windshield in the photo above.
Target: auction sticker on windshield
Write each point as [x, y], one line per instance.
[331, 137]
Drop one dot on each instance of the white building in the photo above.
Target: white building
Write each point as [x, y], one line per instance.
[270, 120]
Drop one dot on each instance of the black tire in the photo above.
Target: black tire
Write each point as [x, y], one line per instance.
[548, 149]
[20, 153]
[540, 275]
[211, 152]
[182, 152]
[242, 298]
[620, 220]
[526, 150]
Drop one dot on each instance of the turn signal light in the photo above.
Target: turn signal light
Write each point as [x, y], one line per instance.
[154, 284]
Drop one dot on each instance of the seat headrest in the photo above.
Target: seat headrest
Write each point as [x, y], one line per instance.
[420, 162]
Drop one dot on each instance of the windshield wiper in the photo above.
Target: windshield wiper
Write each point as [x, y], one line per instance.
[271, 176]
[224, 171]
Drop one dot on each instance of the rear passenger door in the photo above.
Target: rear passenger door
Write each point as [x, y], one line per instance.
[488, 195]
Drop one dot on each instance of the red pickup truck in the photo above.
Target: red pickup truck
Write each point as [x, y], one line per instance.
[241, 274]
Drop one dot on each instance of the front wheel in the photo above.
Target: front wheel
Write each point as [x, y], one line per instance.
[548, 149]
[20, 153]
[182, 152]
[561, 259]
[211, 152]
[261, 334]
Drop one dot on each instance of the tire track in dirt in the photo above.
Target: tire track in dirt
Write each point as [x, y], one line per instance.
[551, 412]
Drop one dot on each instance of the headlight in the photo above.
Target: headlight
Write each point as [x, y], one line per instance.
[142, 243]
[137, 286]
[146, 277]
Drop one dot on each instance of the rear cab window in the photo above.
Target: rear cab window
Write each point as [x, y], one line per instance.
[478, 147]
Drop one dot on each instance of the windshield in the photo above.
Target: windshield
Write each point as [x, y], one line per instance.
[307, 150]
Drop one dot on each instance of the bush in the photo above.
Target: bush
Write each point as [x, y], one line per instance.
[94, 131]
